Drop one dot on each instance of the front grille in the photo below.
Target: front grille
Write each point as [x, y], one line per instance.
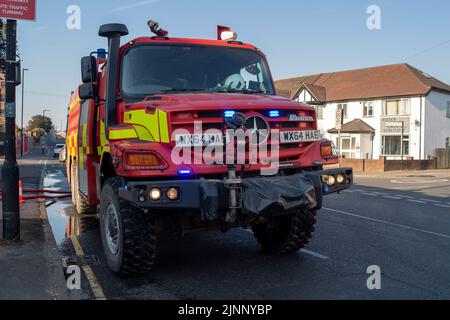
[214, 119]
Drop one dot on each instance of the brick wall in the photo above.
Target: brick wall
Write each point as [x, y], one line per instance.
[383, 165]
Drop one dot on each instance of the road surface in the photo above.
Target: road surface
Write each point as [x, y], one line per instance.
[401, 224]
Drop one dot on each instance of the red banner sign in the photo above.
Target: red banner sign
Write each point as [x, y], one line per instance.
[18, 9]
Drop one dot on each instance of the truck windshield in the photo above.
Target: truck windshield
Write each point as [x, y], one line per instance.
[163, 69]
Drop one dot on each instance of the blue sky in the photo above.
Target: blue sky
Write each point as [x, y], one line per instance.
[298, 36]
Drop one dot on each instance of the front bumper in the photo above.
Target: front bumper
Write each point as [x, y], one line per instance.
[257, 196]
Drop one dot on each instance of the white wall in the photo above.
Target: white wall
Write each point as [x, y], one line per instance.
[416, 141]
[305, 96]
[355, 110]
[437, 125]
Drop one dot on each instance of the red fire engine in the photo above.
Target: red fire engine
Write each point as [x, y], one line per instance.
[152, 114]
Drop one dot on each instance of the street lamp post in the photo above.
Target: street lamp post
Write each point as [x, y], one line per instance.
[10, 169]
[23, 91]
[43, 123]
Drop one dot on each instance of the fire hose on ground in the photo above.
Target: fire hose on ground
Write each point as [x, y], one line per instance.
[38, 194]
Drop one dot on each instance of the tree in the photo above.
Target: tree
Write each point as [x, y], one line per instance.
[39, 122]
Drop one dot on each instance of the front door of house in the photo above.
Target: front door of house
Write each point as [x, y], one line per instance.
[348, 147]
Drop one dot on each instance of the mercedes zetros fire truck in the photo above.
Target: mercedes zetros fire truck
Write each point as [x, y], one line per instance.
[141, 101]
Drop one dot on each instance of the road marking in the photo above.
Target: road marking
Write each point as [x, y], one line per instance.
[416, 201]
[429, 200]
[392, 197]
[442, 205]
[92, 279]
[315, 254]
[388, 223]
[369, 194]
[311, 253]
[417, 181]
[407, 197]
[415, 188]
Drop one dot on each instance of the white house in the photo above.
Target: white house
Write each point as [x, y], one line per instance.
[380, 105]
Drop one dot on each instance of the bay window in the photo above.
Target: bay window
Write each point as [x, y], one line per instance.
[392, 145]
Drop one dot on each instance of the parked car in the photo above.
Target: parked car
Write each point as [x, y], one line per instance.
[62, 155]
[58, 150]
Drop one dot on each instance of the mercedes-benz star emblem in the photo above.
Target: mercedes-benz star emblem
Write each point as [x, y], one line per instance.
[259, 126]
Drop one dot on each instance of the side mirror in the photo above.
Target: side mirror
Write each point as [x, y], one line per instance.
[87, 91]
[88, 69]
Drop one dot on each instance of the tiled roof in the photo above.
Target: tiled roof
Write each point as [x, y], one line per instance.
[363, 84]
[355, 126]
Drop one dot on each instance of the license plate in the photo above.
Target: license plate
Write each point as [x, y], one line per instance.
[300, 136]
[199, 140]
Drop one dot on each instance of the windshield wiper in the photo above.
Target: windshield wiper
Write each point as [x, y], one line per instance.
[174, 90]
[245, 91]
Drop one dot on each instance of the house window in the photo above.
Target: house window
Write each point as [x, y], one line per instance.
[368, 109]
[392, 145]
[319, 110]
[2, 128]
[447, 142]
[398, 107]
[343, 106]
[448, 109]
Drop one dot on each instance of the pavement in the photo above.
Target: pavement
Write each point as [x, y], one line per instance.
[31, 269]
[397, 221]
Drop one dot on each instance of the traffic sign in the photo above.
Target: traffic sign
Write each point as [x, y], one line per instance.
[18, 9]
[10, 110]
[339, 118]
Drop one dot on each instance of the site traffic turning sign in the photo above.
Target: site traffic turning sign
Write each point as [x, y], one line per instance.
[18, 9]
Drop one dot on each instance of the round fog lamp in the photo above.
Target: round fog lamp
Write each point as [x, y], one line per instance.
[155, 194]
[331, 181]
[340, 178]
[172, 194]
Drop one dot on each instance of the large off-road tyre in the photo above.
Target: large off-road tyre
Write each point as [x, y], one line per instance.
[288, 233]
[78, 201]
[128, 234]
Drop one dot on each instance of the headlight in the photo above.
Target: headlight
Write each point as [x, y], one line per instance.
[340, 178]
[155, 194]
[329, 180]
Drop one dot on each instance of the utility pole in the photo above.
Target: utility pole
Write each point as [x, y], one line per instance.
[403, 145]
[21, 122]
[10, 170]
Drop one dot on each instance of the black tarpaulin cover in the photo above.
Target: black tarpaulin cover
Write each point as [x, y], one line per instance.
[276, 194]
